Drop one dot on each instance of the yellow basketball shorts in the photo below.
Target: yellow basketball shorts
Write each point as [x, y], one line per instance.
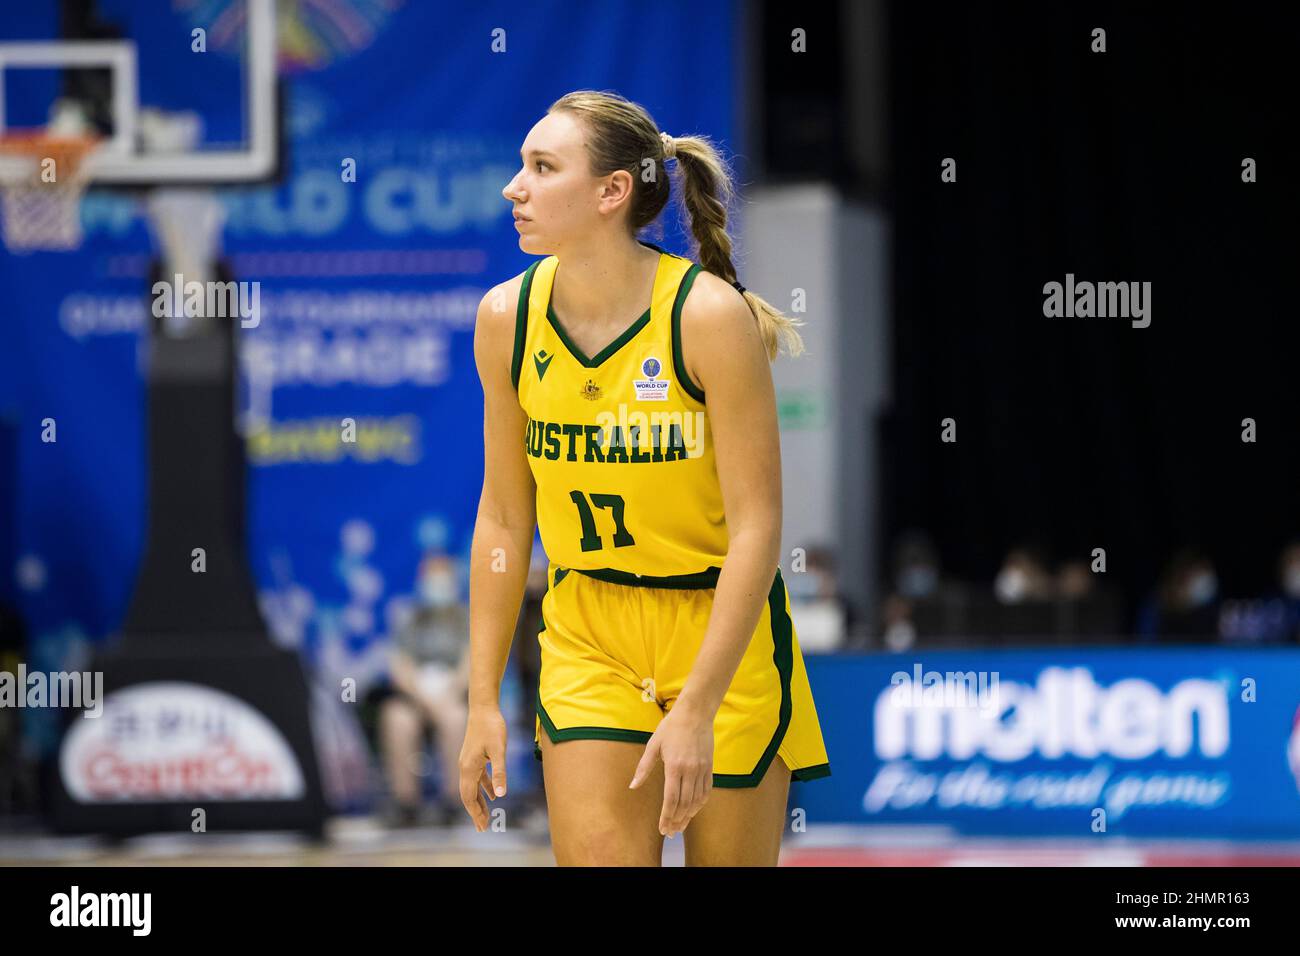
[616, 656]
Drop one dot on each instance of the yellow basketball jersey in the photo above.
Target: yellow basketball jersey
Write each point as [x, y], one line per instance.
[619, 443]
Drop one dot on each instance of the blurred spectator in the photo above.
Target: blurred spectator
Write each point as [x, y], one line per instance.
[430, 676]
[919, 587]
[528, 659]
[1288, 566]
[1086, 607]
[526, 649]
[1074, 580]
[1273, 619]
[1023, 577]
[1185, 605]
[1020, 608]
[818, 611]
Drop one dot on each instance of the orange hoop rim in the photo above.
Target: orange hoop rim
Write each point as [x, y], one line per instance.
[67, 150]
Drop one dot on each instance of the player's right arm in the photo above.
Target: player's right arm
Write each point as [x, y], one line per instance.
[501, 550]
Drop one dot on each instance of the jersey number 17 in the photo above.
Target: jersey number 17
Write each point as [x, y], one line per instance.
[590, 540]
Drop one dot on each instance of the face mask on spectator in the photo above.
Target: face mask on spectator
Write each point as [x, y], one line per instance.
[1011, 585]
[438, 589]
[1202, 588]
[917, 581]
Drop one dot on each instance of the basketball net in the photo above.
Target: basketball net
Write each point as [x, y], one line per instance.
[41, 201]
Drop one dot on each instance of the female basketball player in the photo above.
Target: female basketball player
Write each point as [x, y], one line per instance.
[671, 678]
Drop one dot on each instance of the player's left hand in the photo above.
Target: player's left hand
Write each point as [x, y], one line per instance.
[684, 741]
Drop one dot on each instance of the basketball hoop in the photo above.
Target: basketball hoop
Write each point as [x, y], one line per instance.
[41, 204]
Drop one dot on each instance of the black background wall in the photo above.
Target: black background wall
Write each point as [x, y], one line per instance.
[1124, 165]
[1116, 166]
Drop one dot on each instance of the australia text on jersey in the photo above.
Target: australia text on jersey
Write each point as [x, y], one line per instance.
[629, 437]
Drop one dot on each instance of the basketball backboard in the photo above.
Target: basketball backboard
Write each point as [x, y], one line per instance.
[111, 66]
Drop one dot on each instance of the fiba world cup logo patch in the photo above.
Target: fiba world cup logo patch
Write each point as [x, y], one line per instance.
[651, 388]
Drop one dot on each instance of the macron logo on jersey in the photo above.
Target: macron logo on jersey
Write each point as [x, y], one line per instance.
[543, 362]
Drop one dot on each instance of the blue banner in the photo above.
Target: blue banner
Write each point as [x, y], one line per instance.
[368, 295]
[1176, 742]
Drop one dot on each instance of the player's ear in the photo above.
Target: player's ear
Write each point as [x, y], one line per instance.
[616, 190]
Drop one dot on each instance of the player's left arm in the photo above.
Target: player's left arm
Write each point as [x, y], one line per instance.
[724, 354]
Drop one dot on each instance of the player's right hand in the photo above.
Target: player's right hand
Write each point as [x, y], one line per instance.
[485, 742]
